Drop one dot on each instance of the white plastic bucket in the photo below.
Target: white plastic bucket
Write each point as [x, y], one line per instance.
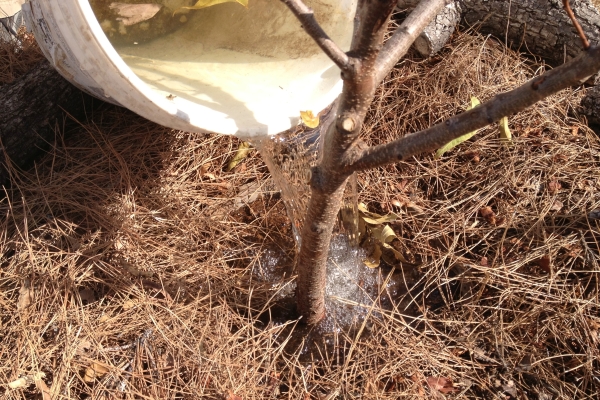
[204, 82]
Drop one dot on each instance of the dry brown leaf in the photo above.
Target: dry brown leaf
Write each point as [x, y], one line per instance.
[96, 370]
[544, 263]
[131, 14]
[441, 384]
[554, 186]
[488, 214]
[42, 387]
[26, 295]
[128, 305]
[87, 295]
[204, 169]
[557, 205]
[232, 396]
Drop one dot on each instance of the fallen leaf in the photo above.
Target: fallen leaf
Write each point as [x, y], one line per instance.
[242, 152]
[505, 134]
[419, 384]
[309, 119]
[87, 295]
[544, 264]
[526, 363]
[510, 388]
[96, 370]
[132, 14]
[575, 130]
[208, 3]
[19, 383]
[232, 396]
[204, 169]
[441, 384]
[488, 214]
[25, 295]
[554, 186]
[247, 194]
[453, 143]
[374, 218]
[128, 305]
[557, 205]
[42, 387]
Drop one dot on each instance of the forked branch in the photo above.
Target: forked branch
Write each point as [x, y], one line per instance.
[569, 74]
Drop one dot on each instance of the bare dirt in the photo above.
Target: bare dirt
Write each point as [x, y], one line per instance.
[128, 268]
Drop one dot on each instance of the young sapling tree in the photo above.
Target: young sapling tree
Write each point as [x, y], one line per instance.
[363, 68]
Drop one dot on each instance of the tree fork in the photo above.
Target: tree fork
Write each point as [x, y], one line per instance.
[366, 66]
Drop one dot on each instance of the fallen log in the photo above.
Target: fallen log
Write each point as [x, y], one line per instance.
[538, 27]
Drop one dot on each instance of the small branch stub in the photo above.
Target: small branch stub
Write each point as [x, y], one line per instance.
[348, 124]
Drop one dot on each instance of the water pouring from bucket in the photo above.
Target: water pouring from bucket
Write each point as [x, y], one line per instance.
[228, 69]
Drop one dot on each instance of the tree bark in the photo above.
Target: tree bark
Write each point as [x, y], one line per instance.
[540, 27]
[33, 107]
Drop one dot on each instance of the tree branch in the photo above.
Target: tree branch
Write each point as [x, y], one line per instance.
[397, 46]
[306, 16]
[569, 74]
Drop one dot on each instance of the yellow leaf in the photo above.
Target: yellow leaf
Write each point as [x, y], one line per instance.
[505, 133]
[208, 3]
[242, 152]
[384, 234]
[374, 218]
[309, 119]
[392, 256]
[453, 143]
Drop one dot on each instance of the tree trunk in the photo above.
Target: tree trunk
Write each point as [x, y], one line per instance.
[33, 107]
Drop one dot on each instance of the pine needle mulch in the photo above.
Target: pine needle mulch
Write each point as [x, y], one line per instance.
[130, 258]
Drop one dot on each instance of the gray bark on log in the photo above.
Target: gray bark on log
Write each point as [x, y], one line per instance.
[539, 27]
[32, 107]
[435, 36]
